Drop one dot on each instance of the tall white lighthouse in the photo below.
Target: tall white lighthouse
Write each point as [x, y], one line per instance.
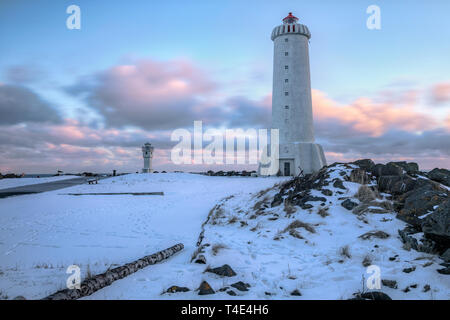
[291, 99]
[147, 153]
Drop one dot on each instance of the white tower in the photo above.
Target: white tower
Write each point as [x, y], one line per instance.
[147, 152]
[291, 99]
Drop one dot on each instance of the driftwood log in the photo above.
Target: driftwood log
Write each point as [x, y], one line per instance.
[89, 286]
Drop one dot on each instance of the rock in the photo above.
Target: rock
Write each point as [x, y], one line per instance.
[366, 164]
[349, 204]
[376, 234]
[390, 283]
[327, 192]
[200, 259]
[412, 243]
[409, 270]
[436, 226]
[224, 271]
[396, 184]
[372, 295]
[409, 167]
[373, 207]
[440, 175]
[426, 288]
[307, 206]
[174, 289]
[231, 292]
[446, 270]
[277, 200]
[389, 169]
[205, 288]
[296, 293]
[20, 298]
[241, 286]
[359, 176]
[446, 255]
[338, 184]
[420, 201]
[313, 199]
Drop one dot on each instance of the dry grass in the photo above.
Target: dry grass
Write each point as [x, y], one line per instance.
[365, 194]
[298, 224]
[217, 247]
[345, 252]
[323, 212]
[295, 234]
[258, 226]
[260, 203]
[367, 261]
[288, 207]
[233, 219]
[216, 213]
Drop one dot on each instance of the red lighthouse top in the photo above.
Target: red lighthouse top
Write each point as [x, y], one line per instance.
[290, 18]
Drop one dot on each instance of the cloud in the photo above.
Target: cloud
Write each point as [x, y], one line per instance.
[368, 117]
[440, 93]
[148, 94]
[22, 74]
[19, 104]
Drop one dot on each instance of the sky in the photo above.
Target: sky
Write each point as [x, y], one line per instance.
[87, 99]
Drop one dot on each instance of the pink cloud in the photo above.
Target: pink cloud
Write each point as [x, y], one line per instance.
[440, 92]
[365, 116]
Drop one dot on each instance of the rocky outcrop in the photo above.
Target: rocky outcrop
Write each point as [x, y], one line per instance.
[440, 175]
[411, 168]
[396, 185]
[422, 200]
[436, 226]
[224, 271]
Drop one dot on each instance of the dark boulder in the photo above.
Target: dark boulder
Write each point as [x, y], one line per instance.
[327, 192]
[205, 288]
[390, 283]
[396, 184]
[224, 271]
[372, 295]
[241, 286]
[436, 226]
[420, 201]
[409, 167]
[389, 169]
[349, 204]
[174, 289]
[359, 176]
[338, 184]
[366, 164]
[440, 175]
[296, 293]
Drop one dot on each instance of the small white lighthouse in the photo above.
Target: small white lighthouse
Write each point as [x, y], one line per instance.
[291, 99]
[147, 152]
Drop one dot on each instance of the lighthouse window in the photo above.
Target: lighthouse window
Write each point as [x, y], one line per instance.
[286, 54]
[286, 39]
[286, 107]
[286, 67]
[286, 93]
[286, 80]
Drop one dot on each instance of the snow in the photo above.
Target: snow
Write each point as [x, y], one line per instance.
[42, 234]
[18, 182]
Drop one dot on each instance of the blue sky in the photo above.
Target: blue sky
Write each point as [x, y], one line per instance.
[230, 42]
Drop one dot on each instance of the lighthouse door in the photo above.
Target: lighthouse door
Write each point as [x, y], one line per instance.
[287, 169]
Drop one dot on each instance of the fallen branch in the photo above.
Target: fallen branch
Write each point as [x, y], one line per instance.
[89, 286]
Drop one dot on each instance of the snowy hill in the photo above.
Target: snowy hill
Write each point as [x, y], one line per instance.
[280, 238]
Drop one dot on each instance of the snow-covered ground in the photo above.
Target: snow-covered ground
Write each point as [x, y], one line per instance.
[18, 182]
[326, 264]
[42, 234]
